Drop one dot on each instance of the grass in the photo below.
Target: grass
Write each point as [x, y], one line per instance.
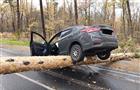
[14, 42]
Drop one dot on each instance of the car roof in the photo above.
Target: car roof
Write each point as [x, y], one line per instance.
[82, 26]
[77, 27]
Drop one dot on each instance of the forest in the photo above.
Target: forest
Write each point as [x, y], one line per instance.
[19, 17]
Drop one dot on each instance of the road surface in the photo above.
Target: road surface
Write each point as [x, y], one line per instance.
[76, 78]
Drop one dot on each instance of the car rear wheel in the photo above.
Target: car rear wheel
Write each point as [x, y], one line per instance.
[76, 53]
[103, 55]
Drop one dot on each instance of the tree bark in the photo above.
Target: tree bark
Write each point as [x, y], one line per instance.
[18, 20]
[76, 12]
[123, 20]
[105, 10]
[113, 13]
[89, 13]
[129, 18]
[64, 10]
[13, 18]
[42, 19]
[19, 64]
[70, 12]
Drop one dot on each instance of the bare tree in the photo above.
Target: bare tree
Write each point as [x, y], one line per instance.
[89, 13]
[86, 12]
[113, 13]
[129, 19]
[123, 18]
[42, 19]
[70, 12]
[64, 10]
[18, 18]
[105, 10]
[76, 11]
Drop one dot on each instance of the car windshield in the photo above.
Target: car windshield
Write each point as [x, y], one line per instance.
[55, 38]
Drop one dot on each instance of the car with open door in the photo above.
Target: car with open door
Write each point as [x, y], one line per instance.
[40, 47]
[77, 41]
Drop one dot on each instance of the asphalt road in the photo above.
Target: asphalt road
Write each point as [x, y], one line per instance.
[76, 78]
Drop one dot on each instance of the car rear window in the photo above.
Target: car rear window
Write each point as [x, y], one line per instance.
[107, 31]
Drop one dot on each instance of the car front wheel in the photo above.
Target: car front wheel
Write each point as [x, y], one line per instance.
[76, 53]
[103, 55]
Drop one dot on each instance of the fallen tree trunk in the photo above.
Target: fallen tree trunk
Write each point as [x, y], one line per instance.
[19, 64]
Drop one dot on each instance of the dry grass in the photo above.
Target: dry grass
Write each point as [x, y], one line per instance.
[132, 65]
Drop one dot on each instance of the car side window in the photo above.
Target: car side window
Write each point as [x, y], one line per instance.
[65, 33]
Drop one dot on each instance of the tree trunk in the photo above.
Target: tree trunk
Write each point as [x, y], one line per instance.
[13, 18]
[76, 12]
[19, 64]
[42, 19]
[86, 16]
[86, 13]
[105, 10]
[70, 12]
[89, 13]
[123, 19]
[64, 10]
[27, 15]
[130, 29]
[18, 20]
[113, 13]
[2, 22]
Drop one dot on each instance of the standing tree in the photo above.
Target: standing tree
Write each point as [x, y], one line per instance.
[70, 10]
[18, 20]
[89, 12]
[86, 13]
[129, 19]
[113, 13]
[76, 11]
[12, 8]
[42, 19]
[123, 6]
[105, 10]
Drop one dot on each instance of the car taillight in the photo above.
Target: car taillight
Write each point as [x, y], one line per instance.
[91, 30]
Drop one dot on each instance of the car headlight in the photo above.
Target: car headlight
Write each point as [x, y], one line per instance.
[57, 44]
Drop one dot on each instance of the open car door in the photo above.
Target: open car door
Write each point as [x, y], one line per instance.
[38, 45]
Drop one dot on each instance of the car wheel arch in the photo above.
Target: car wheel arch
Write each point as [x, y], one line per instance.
[73, 43]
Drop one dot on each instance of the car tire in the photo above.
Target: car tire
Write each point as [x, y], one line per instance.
[76, 53]
[103, 55]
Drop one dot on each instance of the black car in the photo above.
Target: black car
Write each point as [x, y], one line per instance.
[78, 42]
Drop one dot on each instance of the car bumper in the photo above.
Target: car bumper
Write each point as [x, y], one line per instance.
[94, 48]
